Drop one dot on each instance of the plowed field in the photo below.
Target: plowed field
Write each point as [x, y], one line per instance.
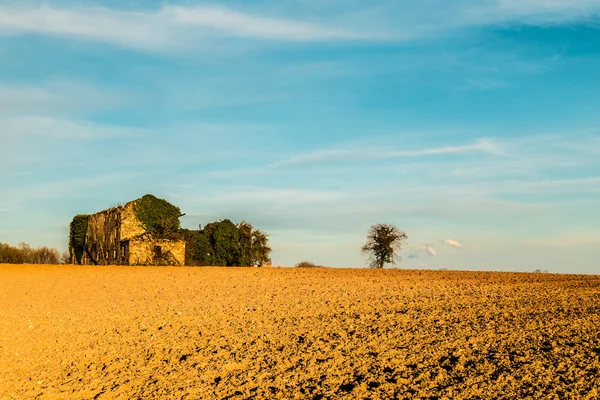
[230, 333]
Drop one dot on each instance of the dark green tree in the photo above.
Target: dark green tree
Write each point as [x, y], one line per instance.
[158, 216]
[191, 241]
[245, 244]
[204, 251]
[224, 241]
[78, 230]
[197, 248]
[384, 242]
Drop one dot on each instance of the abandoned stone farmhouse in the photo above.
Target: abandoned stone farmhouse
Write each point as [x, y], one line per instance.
[137, 233]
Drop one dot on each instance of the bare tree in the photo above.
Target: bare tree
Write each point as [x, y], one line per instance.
[384, 242]
[65, 258]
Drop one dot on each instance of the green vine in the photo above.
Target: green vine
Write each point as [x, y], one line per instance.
[78, 230]
[158, 217]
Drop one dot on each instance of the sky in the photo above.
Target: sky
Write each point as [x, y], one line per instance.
[473, 126]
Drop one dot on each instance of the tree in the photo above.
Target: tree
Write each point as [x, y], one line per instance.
[78, 232]
[260, 250]
[224, 243]
[158, 216]
[245, 244]
[65, 258]
[198, 250]
[28, 255]
[384, 242]
[224, 240]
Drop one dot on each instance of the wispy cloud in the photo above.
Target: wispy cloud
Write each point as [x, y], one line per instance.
[234, 23]
[164, 28]
[416, 250]
[480, 145]
[264, 200]
[62, 188]
[531, 11]
[6, 206]
[176, 26]
[61, 129]
[575, 238]
[58, 97]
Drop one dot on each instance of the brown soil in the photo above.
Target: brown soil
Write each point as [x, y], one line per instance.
[227, 333]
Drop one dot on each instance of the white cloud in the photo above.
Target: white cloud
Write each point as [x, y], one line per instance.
[36, 141]
[575, 238]
[531, 11]
[162, 29]
[61, 129]
[480, 145]
[272, 201]
[416, 250]
[234, 23]
[175, 27]
[64, 188]
[6, 206]
[453, 243]
[58, 97]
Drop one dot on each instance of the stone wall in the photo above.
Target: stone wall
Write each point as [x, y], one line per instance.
[145, 250]
[130, 225]
[102, 241]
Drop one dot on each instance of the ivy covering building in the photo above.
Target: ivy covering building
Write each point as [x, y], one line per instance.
[145, 231]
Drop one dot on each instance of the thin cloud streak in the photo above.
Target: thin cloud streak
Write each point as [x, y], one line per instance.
[480, 145]
[62, 129]
[233, 23]
[165, 28]
[273, 196]
[574, 239]
[58, 189]
[59, 97]
[182, 27]
[532, 11]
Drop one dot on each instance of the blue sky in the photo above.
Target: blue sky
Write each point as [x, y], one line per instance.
[464, 122]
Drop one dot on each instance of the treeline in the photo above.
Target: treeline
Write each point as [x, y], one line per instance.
[224, 243]
[25, 254]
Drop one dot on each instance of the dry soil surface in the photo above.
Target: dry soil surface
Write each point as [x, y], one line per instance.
[75, 332]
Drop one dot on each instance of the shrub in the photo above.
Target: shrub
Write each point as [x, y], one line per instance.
[307, 264]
